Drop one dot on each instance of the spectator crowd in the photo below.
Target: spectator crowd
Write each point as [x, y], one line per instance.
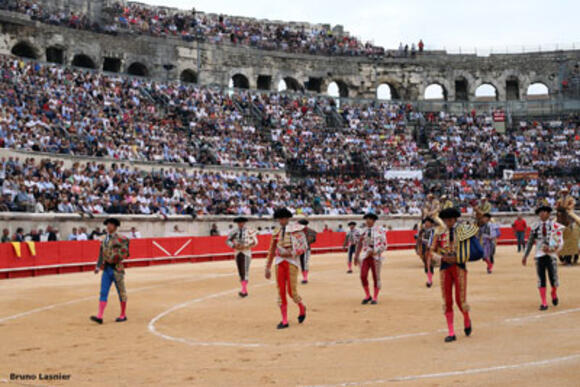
[57, 110]
[139, 18]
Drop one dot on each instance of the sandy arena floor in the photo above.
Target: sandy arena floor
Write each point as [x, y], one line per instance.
[187, 326]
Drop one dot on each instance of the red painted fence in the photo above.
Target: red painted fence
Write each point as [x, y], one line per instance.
[70, 257]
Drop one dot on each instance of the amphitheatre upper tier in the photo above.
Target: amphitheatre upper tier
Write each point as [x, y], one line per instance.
[306, 57]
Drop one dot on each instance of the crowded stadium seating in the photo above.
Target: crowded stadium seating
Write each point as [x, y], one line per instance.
[333, 166]
[135, 18]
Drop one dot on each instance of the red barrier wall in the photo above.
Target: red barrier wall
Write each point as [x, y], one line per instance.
[66, 257]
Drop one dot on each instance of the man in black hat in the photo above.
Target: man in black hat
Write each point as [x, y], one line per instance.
[114, 250]
[242, 240]
[451, 244]
[424, 240]
[371, 245]
[305, 257]
[288, 243]
[548, 237]
[350, 242]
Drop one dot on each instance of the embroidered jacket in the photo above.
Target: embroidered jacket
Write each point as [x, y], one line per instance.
[424, 240]
[372, 240]
[352, 237]
[548, 233]
[290, 239]
[114, 250]
[245, 237]
[455, 241]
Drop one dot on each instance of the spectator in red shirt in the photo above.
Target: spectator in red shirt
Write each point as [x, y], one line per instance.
[520, 226]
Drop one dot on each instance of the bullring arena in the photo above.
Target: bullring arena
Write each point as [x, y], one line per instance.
[194, 158]
[188, 326]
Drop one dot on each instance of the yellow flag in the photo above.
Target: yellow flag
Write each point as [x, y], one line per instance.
[32, 248]
[17, 251]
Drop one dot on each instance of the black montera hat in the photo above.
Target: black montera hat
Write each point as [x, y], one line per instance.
[450, 213]
[113, 221]
[428, 219]
[543, 208]
[281, 213]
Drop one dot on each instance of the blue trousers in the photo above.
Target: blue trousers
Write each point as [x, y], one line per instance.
[351, 251]
[107, 279]
[521, 238]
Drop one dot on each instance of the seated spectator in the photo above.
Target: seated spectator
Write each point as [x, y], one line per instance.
[6, 236]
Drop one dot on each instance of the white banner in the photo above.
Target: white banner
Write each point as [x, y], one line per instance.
[395, 174]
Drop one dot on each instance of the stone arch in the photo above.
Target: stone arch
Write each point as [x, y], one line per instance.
[24, 49]
[387, 91]
[137, 69]
[188, 76]
[83, 60]
[485, 91]
[462, 82]
[340, 86]
[537, 90]
[535, 79]
[239, 81]
[435, 89]
[461, 88]
[511, 81]
[55, 54]
[292, 84]
[512, 88]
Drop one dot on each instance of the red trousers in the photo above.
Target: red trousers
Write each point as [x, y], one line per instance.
[286, 279]
[375, 267]
[454, 276]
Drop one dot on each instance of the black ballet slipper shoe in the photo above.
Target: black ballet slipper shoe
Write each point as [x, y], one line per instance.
[555, 301]
[543, 307]
[468, 331]
[96, 319]
[282, 326]
[366, 301]
[450, 339]
[121, 319]
[374, 302]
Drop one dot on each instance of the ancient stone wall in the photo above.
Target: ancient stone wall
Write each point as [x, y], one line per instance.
[206, 63]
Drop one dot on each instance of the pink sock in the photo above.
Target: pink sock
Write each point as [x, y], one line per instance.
[543, 296]
[284, 310]
[123, 309]
[376, 295]
[554, 293]
[367, 291]
[302, 309]
[449, 317]
[466, 320]
[305, 275]
[430, 277]
[102, 306]
[244, 287]
[350, 266]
